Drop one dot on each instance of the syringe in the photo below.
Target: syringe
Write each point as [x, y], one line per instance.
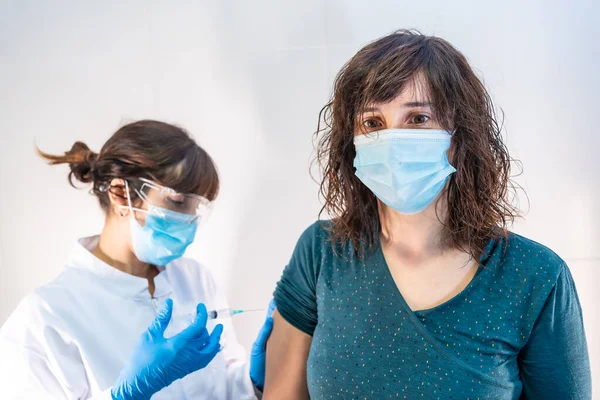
[228, 312]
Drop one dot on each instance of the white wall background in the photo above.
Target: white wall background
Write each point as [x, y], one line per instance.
[248, 78]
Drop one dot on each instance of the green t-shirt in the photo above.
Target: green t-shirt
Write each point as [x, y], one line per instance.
[515, 330]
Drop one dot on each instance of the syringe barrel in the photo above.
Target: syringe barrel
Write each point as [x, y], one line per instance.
[223, 313]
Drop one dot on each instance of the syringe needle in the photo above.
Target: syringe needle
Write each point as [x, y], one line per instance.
[245, 311]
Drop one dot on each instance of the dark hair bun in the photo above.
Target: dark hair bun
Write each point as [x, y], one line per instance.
[81, 162]
[80, 159]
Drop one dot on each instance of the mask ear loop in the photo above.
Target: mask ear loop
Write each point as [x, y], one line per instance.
[128, 199]
[131, 208]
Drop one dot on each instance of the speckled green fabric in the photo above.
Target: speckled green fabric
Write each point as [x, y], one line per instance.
[515, 330]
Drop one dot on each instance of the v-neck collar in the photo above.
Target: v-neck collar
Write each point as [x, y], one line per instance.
[416, 322]
[117, 281]
[482, 269]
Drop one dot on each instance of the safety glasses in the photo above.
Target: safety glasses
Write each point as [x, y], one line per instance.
[171, 203]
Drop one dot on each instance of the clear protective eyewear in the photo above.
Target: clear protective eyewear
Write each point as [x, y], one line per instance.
[191, 207]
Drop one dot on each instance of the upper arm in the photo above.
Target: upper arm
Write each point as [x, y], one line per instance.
[287, 353]
[295, 320]
[554, 363]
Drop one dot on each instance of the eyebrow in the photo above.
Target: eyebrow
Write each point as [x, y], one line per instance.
[407, 105]
[418, 104]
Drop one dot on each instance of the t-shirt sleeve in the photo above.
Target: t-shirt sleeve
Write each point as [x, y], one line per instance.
[554, 364]
[295, 295]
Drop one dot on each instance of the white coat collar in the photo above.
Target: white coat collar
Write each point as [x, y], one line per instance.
[115, 280]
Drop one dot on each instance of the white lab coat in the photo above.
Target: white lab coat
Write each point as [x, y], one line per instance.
[70, 338]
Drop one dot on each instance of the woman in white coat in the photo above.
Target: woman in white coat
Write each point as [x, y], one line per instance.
[120, 321]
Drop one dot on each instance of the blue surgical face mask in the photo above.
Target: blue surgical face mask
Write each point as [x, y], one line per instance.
[405, 168]
[164, 237]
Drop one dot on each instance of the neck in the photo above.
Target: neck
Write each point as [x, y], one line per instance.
[113, 248]
[412, 237]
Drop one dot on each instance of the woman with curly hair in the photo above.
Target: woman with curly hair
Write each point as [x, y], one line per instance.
[416, 288]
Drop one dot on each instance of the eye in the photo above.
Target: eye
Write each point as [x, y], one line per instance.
[372, 124]
[419, 119]
[177, 199]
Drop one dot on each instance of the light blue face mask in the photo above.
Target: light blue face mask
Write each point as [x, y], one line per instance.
[405, 168]
[164, 237]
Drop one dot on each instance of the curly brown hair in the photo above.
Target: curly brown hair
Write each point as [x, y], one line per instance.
[478, 194]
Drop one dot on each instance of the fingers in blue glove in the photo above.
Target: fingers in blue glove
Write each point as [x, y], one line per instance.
[201, 314]
[213, 345]
[259, 348]
[198, 328]
[160, 323]
[157, 361]
[272, 307]
[263, 335]
[260, 344]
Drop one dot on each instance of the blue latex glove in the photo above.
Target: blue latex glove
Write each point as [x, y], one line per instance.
[157, 361]
[258, 355]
